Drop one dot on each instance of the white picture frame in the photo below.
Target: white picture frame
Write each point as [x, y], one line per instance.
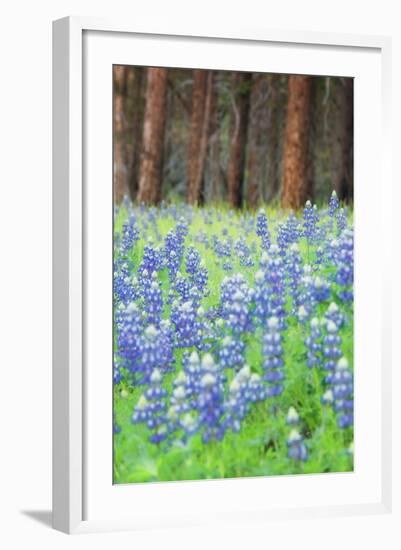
[75, 477]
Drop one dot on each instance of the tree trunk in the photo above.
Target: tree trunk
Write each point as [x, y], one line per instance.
[198, 110]
[239, 123]
[153, 137]
[277, 106]
[343, 140]
[214, 146]
[137, 86]
[257, 131]
[295, 159]
[120, 162]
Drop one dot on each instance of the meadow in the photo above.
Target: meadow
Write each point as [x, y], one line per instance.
[233, 341]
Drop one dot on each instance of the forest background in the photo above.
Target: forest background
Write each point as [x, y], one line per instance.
[207, 136]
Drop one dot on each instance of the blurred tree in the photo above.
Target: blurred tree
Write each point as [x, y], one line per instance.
[342, 152]
[260, 128]
[276, 115]
[136, 87]
[120, 159]
[202, 91]
[240, 92]
[215, 175]
[149, 188]
[295, 186]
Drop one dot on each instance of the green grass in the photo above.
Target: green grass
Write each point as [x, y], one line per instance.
[260, 448]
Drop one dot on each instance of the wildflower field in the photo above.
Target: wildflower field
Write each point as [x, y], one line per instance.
[233, 342]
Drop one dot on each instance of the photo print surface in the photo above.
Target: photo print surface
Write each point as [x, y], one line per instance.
[233, 274]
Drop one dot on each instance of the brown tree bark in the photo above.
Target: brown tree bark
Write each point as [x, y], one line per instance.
[198, 111]
[295, 158]
[120, 159]
[195, 187]
[239, 123]
[277, 107]
[149, 187]
[138, 106]
[343, 168]
[214, 145]
[259, 122]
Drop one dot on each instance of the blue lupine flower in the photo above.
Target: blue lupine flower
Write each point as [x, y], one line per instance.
[307, 292]
[200, 279]
[153, 302]
[321, 289]
[273, 361]
[262, 229]
[345, 265]
[340, 393]
[154, 351]
[334, 204]
[309, 220]
[320, 256]
[192, 260]
[334, 314]
[192, 369]
[130, 235]
[151, 408]
[171, 252]
[174, 248]
[313, 344]
[296, 447]
[182, 286]
[341, 382]
[236, 298]
[294, 272]
[210, 402]
[341, 220]
[152, 260]
[236, 406]
[245, 388]
[188, 325]
[243, 252]
[222, 248]
[123, 288]
[196, 270]
[292, 229]
[189, 422]
[331, 346]
[179, 407]
[117, 374]
[231, 353]
[130, 328]
[269, 292]
[256, 389]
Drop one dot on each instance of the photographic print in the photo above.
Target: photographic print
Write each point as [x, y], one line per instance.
[233, 274]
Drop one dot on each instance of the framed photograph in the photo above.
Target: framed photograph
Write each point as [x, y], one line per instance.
[219, 336]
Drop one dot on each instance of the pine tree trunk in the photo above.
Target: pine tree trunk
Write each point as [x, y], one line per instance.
[277, 106]
[214, 146]
[195, 168]
[258, 120]
[120, 161]
[295, 158]
[149, 187]
[239, 123]
[138, 74]
[343, 140]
